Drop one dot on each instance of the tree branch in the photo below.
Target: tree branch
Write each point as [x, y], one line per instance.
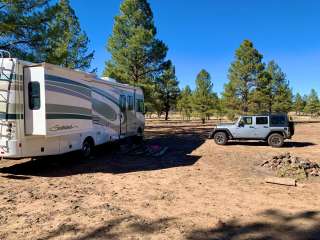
[14, 43]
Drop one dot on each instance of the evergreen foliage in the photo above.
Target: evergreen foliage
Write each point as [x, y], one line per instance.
[313, 104]
[281, 94]
[254, 87]
[298, 104]
[184, 103]
[44, 31]
[167, 90]
[243, 75]
[203, 98]
[138, 57]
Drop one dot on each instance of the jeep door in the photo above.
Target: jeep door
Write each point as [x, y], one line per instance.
[262, 128]
[244, 128]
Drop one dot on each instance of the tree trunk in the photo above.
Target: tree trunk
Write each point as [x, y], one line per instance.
[203, 120]
[167, 115]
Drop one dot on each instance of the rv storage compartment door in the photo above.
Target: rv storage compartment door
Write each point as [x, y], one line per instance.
[34, 100]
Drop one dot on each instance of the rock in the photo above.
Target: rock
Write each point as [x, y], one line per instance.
[220, 224]
[288, 165]
[287, 155]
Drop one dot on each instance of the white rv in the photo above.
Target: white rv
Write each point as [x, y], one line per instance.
[49, 110]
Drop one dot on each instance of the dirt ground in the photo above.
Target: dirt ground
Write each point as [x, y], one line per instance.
[197, 190]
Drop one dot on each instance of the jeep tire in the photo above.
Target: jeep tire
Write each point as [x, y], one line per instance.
[275, 140]
[220, 138]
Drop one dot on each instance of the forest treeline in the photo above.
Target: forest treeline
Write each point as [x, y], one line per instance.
[49, 30]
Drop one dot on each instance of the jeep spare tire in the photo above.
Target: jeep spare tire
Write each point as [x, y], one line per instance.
[275, 140]
[220, 138]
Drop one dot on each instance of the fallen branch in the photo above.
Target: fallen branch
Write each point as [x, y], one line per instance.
[281, 181]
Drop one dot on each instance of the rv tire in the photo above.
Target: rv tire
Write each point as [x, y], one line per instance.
[87, 148]
[138, 139]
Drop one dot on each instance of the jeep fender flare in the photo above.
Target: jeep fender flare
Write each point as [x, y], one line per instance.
[277, 131]
[225, 130]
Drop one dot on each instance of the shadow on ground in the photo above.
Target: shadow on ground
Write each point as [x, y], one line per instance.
[276, 226]
[263, 143]
[110, 158]
[116, 228]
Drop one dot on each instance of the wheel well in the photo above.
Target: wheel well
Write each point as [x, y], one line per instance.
[224, 131]
[279, 132]
[90, 139]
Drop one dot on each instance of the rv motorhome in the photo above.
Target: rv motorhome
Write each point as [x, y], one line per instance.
[49, 110]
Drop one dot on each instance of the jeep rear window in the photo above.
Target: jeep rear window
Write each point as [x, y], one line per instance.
[277, 120]
[261, 120]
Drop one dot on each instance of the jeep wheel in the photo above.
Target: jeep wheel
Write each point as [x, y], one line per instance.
[276, 140]
[220, 138]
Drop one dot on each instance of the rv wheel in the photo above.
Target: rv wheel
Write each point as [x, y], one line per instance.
[87, 148]
[138, 139]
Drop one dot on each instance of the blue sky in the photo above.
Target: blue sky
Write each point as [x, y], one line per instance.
[205, 33]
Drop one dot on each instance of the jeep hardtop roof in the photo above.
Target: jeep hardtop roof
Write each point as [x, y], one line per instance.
[263, 115]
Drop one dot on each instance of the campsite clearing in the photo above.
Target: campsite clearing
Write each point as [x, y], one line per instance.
[195, 190]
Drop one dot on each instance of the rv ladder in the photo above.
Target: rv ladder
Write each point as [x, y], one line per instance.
[6, 74]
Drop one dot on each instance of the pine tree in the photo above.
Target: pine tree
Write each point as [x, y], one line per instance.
[184, 103]
[67, 44]
[167, 90]
[138, 57]
[230, 102]
[41, 31]
[243, 74]
[221, 111]
[281, 92]
[214, 109]
[313, 104]
[203, 100]
[298, 104]
[261, 97]
[23, 27]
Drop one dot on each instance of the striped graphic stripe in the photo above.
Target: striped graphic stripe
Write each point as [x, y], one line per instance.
[10, 116]
[57, 108]
[67, 116]
[103, 122]
[71, 87]
[106, 95]
[104, 109]
[67, 91]
[5, 116]
[65, 80]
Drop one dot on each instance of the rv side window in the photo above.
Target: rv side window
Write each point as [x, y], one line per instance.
[122, 102]
[34, 95]
[130, 103]
[140, 105]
